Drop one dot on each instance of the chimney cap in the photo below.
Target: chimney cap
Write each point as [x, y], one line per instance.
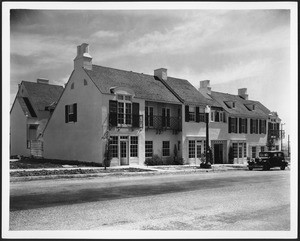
[42, 81]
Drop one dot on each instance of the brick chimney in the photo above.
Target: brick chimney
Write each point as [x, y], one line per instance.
[243, 93]
[161, 73]
[83, 58]
[205, 87]
[42, 81]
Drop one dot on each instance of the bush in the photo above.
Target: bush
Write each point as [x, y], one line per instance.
[107, 157]
[178, 161]
[154, 161]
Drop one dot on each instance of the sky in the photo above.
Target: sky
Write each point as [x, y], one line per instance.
[231, 48]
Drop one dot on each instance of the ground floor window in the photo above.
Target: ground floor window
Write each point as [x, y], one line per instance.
[196, 148]
[239, 149]
[166, 148]
[114, 146]
[191, 148]
[148, 148]
[253, 150]
[134, 142]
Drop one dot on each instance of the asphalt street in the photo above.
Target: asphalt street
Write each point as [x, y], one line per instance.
[238, 200]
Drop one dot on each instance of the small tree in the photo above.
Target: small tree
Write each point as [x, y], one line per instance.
[107, 156]
[175, 153]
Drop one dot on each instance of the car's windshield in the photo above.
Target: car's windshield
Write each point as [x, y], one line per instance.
[263, 154]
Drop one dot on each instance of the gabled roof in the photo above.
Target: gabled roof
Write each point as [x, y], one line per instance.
[145, 86]
[240, 109]
[188, 93]
[39, 96]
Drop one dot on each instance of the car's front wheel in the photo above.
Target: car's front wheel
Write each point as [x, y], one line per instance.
[250, 168]
[282, 167]
[266, 167]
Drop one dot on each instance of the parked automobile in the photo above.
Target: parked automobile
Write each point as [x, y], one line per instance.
[267, 160]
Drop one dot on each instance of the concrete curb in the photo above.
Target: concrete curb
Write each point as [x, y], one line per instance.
[150, 171]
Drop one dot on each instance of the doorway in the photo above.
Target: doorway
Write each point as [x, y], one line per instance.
[218, 153]
[124, 152]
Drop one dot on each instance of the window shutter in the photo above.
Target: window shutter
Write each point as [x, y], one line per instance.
[229, 124]
[66, 113]
[251, 126]
[257, 126]
[236, 125]
[197, 114]
[135, 115]
[113, 120]
[265, 126]
[75, 112]
[224, 117]
[187, 113]
[277, 126]
[246, 125]
[240, 125]
[260, 124]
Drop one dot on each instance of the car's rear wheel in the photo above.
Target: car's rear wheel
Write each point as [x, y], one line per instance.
[250, 168]
[282, 167]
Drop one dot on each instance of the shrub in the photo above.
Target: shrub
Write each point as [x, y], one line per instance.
[153, 161]
[107, 157]
[178, 161]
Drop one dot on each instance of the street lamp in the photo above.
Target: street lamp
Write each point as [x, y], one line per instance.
[207, 163]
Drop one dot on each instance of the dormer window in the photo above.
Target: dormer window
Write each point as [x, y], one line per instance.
[250, 107]
[72, 86]
[84, 82]
[230, 104]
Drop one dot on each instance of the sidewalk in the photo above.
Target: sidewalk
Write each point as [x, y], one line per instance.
[119, 171]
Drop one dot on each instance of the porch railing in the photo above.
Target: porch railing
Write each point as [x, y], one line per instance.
[163, 123]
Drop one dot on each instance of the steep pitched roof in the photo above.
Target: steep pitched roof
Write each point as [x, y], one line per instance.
[39, 96]
[240, 109]
[145, 86]
[188, 93]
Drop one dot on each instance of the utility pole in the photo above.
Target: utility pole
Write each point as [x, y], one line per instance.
[288, 145]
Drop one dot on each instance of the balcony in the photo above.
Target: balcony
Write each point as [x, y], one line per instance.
[274, 134]
[160, 123]
[125, 121]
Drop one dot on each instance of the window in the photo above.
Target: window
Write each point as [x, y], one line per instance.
[235, 150]
[242, 125]
[114, 146]
[253, 126]
[233, 104]
[148, 148]
[253, 149]
[149, 116]
[212, 116]
[134, 142]
[262, 126]
[199, 149]
[84, 82]
[71, 113]
[232, 125]
[192, 113]
[191, 149]
[166, 148]
[72, 86]
[124, 109]
[166, 117]
[217, 116]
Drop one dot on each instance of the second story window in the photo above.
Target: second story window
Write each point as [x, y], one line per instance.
[232, 125]
[192, 113]
[124, 109]
[253, 126]
[71, 113]
[149, 116]
[166, 114]
[243, 125]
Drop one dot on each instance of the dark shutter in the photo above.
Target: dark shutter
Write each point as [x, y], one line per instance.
[187, 113]
[265, 126]
[251, 126]
[246, 125]
[240, 125]
[260, 124]
[229, 124]
[135, 115]
[113, 120]
[257, 126]
[197, 114]
[277, 126]
[163, 116]
[236, 125]
[75, 112]
[224, 117]
[66, 113]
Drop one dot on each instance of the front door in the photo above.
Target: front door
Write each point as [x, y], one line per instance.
[124, 152]
[218, 153]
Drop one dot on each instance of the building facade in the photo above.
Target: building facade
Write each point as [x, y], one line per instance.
[138, 115]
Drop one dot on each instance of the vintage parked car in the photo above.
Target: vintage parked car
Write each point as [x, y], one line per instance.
[267, 160]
